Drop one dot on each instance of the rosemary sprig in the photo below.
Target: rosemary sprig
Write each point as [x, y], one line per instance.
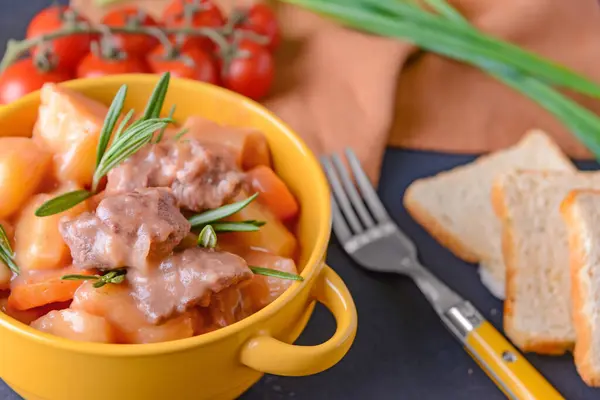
[62, 203]
[274, 273]
[216, 214]
[6, 252]
[127, 141]
[115, 276]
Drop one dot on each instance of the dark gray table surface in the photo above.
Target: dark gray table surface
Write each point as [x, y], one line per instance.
[402, 351]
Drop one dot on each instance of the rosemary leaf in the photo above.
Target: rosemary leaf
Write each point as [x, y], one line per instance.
[207, 237]
[75, 277]
[274, 273]
[6, 252]
[123, 124]
[62, 203]
[9, 261]
[242, 226]
[157, 99]
[161, 133]
[180, 134]
[210, 216]
[114, 111]
[115, 276]
[5, 243]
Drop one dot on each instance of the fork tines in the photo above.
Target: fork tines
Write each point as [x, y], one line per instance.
[346, 200]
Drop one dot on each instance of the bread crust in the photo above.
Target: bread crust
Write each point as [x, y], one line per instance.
[437, 230]
[527, 343]
[580, 290]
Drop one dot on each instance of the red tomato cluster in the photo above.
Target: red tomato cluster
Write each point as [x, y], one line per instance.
[239, 63]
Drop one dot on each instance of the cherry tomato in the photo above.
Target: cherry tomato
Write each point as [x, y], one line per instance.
[23, 77]
[205, 15]
[250, 75]
[261, 19]
[190, 62]
[69, 50]
[93, 66]
[137, 45]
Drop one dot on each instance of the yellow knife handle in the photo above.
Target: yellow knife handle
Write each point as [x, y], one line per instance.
[508, 368]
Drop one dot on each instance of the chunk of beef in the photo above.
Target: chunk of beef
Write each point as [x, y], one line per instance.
[134, 229]
[201, 176]
[184, 280]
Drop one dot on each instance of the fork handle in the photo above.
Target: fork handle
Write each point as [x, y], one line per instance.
[509, 369]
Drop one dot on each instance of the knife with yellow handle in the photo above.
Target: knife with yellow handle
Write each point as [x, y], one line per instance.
[509, 369]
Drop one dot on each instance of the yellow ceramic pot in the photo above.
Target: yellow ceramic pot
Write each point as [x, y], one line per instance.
[220, 364]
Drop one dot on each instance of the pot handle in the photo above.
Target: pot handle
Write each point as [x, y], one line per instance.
[269, 355]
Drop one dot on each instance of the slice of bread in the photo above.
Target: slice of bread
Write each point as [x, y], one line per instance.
[581, 213]
[454, 206]
[537, 310]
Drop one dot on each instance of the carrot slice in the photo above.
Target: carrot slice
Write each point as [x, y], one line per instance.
[28, 316]
[38, 288]
[274, 193]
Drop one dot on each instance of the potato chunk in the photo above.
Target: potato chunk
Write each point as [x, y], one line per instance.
[273, 237]
[114, 302]
[75, 325]
[39, 244]
[70, 124]
[263, 290]
[23, 165]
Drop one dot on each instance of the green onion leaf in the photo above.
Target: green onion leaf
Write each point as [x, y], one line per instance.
[210, 216]
[242, 226]
[207, 237]
[62, 203]
[446, 10]
[157, 99]
[110, 121]
[274, 273]
[115, 277]
[455, 39]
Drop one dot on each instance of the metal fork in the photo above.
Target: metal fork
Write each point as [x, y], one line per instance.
[371, 238]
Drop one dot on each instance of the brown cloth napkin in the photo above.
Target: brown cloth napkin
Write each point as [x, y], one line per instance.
[341, 88]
